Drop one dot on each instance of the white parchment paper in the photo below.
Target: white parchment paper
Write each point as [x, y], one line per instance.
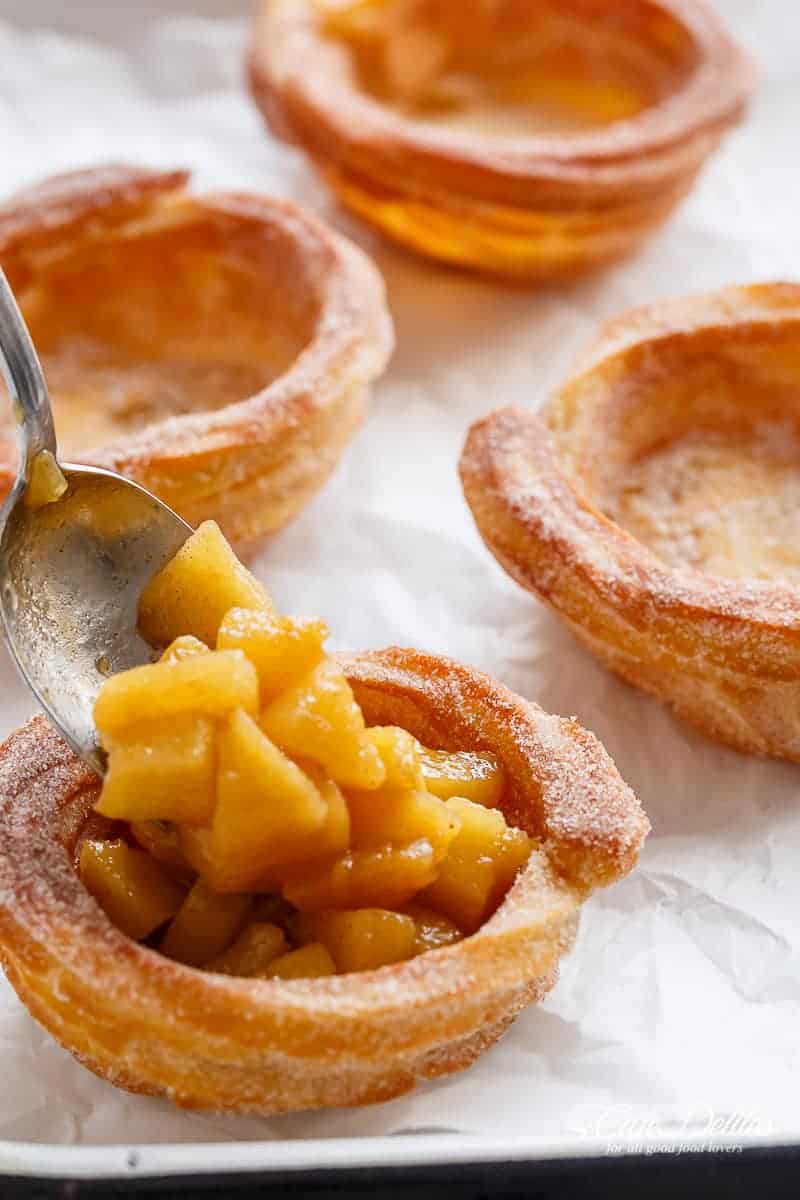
[680, 1005]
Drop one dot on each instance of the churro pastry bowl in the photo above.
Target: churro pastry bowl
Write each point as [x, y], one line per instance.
[652, 505]
[529, 140]
[217, 349]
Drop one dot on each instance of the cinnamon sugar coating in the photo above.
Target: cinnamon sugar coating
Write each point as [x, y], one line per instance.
[265, 1046]
[217, 349]
[535, 141]
[652, 505]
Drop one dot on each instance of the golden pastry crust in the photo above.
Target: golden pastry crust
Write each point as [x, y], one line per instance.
[265, 1046]
[535, 141]
[217, 349]
[653, 506]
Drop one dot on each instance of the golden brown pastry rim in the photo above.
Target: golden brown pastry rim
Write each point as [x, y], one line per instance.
[725, 653]
[307, 98]
[254, 463]
[152, 1025]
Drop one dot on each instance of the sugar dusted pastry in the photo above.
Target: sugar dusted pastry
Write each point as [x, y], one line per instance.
[217, 349]
[653, 505]
[535, 140]
[306, 879]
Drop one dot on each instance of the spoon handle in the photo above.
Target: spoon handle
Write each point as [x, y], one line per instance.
[24, 379]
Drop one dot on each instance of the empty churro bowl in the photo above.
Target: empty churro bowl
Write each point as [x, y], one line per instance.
[530, 140]
[217, 349]
[652, 504]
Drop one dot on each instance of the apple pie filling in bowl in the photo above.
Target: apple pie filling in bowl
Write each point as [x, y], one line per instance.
[306, 879]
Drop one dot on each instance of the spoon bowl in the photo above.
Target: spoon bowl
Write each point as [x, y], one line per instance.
[72, 569]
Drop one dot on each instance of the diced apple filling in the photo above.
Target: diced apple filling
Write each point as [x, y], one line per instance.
[163, 841]
[399, 752]
[134, 891]
[194, 591]
[361, 939]
[318, 718]
[252, 952]
[309, 962]
[162, 771]
[186, 646]
[471, 776]
[309, 844]
[432, 929]
[480, 866]
[388, 876]
[205, 925]
[392, 817]
[268, 810]
[282, 649]
[202, 685]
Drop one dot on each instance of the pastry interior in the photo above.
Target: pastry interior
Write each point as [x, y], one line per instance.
[182, 328]
[253, 824]
[162, 319]
[214, 348]
[695, 449]
[511, 69]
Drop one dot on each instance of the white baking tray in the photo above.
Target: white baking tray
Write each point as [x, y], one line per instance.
[335, 1154]
[674, 1023]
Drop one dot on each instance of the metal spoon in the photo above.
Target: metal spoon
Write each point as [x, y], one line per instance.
[73, 569]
